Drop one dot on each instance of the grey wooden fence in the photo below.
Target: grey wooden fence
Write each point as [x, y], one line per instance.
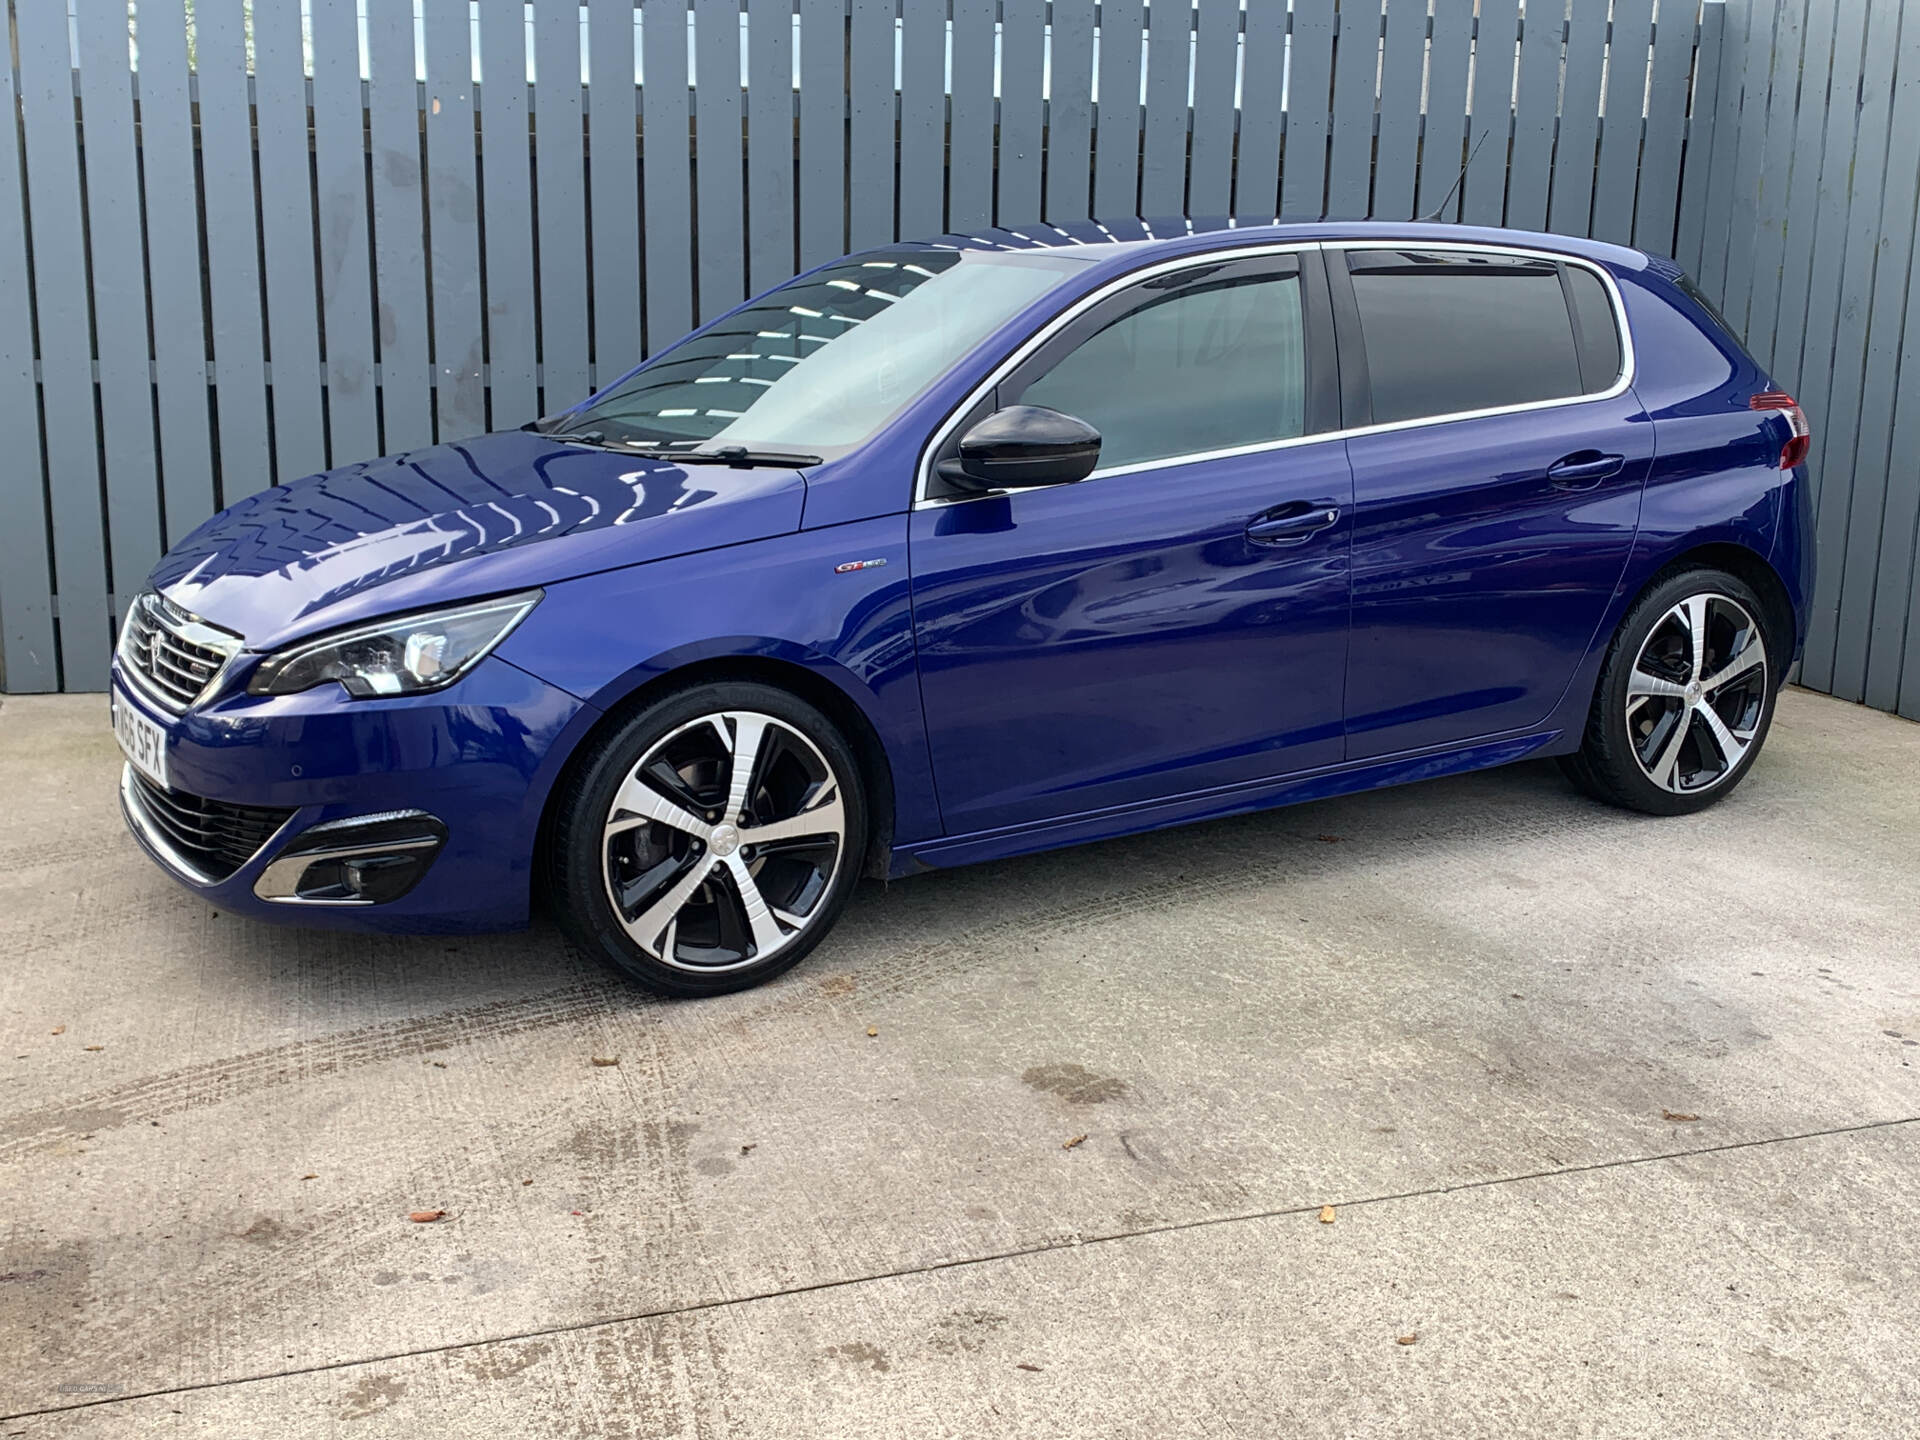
[1807, 243]
[254, 252]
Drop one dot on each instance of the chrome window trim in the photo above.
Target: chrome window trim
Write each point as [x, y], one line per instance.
[923, 474]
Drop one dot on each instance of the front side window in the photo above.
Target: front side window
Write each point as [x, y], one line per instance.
[824, 360]
[1210, 365]
[1449, 332]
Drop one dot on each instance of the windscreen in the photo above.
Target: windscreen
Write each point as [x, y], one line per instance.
[822, 361]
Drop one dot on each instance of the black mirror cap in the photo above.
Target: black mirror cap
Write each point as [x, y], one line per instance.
[1022, 447]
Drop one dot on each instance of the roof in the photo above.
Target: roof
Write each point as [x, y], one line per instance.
[1113, 239]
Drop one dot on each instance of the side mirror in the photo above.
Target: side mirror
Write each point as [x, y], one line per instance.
[1021, 447]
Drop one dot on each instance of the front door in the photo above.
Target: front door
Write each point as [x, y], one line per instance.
[1178, 621]
[1496, 502]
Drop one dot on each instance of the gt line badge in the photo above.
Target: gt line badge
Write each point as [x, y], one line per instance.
[848, 567]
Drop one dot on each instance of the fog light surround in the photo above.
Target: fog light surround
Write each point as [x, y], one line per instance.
[366, 860]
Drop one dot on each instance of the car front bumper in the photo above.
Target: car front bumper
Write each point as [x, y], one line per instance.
[318, 771]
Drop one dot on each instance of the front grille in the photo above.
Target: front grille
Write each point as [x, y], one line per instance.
[214, 837]
[173, 654]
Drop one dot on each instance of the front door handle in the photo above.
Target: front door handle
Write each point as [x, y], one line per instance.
[1292, 523]
[1583, 469]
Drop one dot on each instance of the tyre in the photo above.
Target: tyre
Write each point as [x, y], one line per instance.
[1684, 699]
[710, 842]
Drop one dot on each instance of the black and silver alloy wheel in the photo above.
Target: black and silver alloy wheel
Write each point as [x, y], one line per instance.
[722, 841]
[708, 842]
[1697, 692]
[1684, 699]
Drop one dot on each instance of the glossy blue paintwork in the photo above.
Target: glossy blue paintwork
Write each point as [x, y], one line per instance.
[1037, 669]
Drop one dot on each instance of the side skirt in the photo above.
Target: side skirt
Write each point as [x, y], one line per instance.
[1214, 804]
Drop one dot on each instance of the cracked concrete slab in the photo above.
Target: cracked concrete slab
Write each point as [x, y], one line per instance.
[1447, 985]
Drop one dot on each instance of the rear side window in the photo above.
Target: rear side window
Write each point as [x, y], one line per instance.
[1449, 332]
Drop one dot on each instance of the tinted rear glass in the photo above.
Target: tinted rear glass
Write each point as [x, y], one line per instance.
[1447, 333]
[1599, 338]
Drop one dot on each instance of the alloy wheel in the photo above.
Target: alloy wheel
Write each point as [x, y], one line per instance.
[1697, 693]
[722, 843]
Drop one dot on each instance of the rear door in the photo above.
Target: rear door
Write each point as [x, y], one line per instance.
[1178, 620]
[1498, 468]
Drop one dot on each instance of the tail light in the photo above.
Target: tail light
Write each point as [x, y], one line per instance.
[1799, 438]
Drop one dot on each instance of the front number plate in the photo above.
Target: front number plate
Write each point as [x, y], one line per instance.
[144, 742]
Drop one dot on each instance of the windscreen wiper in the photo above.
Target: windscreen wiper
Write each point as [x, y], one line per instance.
[737, 456]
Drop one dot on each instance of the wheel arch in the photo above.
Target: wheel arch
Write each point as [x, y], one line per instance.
[1758, 574]
[793, 676]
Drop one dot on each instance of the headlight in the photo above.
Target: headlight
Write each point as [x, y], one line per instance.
[406, 655]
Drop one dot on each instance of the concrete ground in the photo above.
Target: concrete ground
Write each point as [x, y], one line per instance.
[1619, 1118]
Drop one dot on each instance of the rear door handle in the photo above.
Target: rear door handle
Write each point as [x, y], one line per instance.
[1293, 522]
[1583, 469]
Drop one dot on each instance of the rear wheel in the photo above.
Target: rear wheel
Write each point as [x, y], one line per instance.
[708, 845]
[1685, 698]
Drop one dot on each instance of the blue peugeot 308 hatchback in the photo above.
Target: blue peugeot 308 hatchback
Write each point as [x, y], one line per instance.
[951, 551]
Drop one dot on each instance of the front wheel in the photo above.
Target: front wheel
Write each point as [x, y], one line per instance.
[1685, 698]
[709, 843]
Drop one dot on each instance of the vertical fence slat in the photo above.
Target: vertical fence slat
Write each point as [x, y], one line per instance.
[1022, 115]
[1811, 363]
[399, 232]
[29, 660]
[1837, 422]
[560, 207]
[1735, 272]
[1782, 352]
[1696, 161]
[118, 272]
[1303, 162]
[1448, 57]
[286, 233]
[459, 401]
[1570, 204]
[1897, 587]
[1874, 459]
[1771, 203]
[1613, 181]
[506, 190]
[770, 238]
[1069, 138]
[1483, 196]
[1116, 152]
[170, 194]
[665, 137]
[1355, 65]
[1263, 59]
[1402, 60]
[970, 148]
[233, 265]
[1163, 150]
[870, 125]
[66, 368]
[718, 159]
[1659, 178]
[1536, 98]
[923, 118]
[1711, 269]
[823, 118]
[1210, 170]
[613, 177]
[340, 173]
